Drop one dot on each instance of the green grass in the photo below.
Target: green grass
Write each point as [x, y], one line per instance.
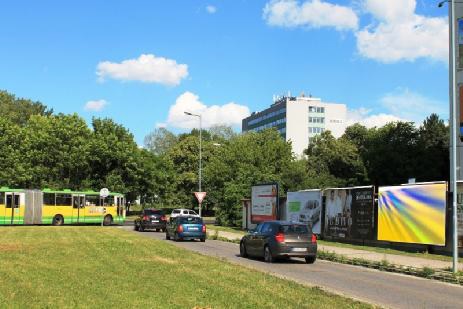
[109, 267]
[389, 251]
[235, 230]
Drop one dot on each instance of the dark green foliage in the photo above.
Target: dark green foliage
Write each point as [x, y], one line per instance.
[19, 111]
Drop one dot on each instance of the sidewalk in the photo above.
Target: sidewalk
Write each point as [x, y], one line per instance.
[402, 260]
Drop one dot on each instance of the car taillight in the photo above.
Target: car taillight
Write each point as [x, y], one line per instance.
[163, 218]
[314, 239]
[204, 228]
[146, 218]
[180, 228]
[280, 237]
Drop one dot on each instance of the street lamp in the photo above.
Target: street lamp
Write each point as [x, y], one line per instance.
[453, 125]
[200, 151]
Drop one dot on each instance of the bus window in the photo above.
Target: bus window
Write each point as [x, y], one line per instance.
[49, 199]
[63, 200]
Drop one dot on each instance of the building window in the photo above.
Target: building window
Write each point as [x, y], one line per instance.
[317, 119]
[316, 109]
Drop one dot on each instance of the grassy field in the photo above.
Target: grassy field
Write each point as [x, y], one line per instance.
[109, 267]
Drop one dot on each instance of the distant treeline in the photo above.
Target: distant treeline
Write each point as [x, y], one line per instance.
[42, 149]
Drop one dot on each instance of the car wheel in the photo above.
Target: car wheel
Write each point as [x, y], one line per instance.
[141, 228]
[167, 236]
[310, 259]
[268, 257]
[135, 227]
[243, 252]
[203, 239]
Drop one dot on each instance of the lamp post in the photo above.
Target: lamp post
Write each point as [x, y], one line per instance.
[453, 125]
[200, 152]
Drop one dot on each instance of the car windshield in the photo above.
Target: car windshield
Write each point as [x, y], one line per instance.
[190, 220]
[295, 228]
[152, 212]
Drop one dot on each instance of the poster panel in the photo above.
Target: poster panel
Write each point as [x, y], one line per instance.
[349, 212]
[460, 43]
[305, 206]
[412, 213]
[264, 202]
[460, 213]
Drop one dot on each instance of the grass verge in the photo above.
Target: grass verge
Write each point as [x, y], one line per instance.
[385, 265]
[235, 230]
[109, 267]
[425, 255]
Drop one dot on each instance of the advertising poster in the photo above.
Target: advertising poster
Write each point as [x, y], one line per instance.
[412, 213]
[460, 43]
[264, 202]
[305, 207]
[349, 212]
[460, 213]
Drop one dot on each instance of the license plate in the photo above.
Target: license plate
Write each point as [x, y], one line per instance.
[299, 249]
[155, 221]
[193, 228]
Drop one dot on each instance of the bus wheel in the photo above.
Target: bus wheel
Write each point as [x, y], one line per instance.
[108, 220]
[58, 220]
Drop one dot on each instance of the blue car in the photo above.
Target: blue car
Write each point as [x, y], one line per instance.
[186, 228]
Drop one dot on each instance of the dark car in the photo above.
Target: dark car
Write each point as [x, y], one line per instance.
[186, 228]
[151, 219]
[280, 239]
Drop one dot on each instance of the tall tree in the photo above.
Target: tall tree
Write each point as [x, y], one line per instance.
[335, 161]
[20, 110]
[248, 159]
[434, 150]
[160, 141]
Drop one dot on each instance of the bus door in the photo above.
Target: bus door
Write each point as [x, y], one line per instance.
[78, 208]
[12, 208]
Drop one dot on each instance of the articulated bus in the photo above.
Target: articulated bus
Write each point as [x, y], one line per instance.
[22, 206]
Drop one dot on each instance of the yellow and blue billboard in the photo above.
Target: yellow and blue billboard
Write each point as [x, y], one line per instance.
[412, 213]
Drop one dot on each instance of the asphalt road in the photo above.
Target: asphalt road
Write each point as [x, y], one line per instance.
[376, 287]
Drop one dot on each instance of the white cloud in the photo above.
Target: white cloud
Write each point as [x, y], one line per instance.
[211, 9]
[95, 106]
[161, 125]
[312, 14]
[369, 120]
[413, 106]
[227, 114]
[146, 68]
[397, 32]
[399, 105]
[401, 34]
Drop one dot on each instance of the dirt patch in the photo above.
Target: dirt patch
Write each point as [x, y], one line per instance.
[11, 247]
[155, 258]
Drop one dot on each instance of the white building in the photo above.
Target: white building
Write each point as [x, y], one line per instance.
[298, 119]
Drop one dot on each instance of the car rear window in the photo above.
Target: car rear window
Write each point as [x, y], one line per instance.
[192, 220]
[295, 228]
[152, 212]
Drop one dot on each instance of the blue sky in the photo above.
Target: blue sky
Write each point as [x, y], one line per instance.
[143, 63]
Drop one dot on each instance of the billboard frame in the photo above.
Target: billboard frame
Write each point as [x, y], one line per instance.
[277, 197]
